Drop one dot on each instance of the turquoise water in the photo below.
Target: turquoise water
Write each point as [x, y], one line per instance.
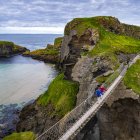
[23, 79]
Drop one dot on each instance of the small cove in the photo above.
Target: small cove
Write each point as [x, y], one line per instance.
[22, 79]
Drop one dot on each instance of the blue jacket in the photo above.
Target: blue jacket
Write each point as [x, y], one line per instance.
[98, 93]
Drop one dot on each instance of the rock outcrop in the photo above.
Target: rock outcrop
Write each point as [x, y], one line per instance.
[36, 118]
[73, 46]
[51, 54]
[114, 25]
[9, 48]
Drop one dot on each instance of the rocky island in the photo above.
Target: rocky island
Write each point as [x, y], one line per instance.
[51, 54]
[9, 48]
[89, 53]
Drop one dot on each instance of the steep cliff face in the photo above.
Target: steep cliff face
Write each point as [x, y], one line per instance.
[9, 48]
[73, 46]
[36, 118]
[85, 72]
[6, 49]
[119, 118]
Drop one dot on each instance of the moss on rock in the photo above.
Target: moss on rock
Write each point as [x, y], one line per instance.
[132, 77]
[21, 136]
[49, 54]
[61, 94]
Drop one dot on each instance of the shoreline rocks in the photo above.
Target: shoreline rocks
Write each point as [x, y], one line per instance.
[8, 118]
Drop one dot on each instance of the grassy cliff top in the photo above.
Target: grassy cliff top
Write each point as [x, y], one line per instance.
[21, 136]
[50, 51]
[132, 77]
[6, 43]
[61, 94]
[10, 44]
[58, 41]
[114, 37]
[107, 22]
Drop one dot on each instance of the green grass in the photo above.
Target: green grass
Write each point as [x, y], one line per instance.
[14, 47]
[6, 43]
[107, 80]
[132, 77]
[50, 50]
[111, 43]
[58, 41]
[101, 79]
[46, 51]
[21, 136]
[61, 94]
[111, 78]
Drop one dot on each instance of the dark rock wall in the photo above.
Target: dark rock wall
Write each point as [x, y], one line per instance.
[36, 118]
[73, 46]
[121, 121]
[6, 49]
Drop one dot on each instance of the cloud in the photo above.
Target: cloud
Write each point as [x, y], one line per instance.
[32, 30]
[56, 13]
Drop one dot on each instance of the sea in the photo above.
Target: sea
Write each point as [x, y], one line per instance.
[22, 78]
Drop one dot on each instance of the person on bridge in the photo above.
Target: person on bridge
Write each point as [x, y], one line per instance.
[102, 89]
[99, 93]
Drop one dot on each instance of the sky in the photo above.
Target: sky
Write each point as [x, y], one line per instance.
[51, 16]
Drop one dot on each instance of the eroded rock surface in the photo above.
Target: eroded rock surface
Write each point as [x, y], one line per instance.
[73, 46]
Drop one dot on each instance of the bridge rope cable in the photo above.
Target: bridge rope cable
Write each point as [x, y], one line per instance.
[61, 127]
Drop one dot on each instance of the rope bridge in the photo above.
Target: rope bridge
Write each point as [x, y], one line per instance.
[71, 124]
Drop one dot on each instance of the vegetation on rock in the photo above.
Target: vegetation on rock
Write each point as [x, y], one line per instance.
[8, 48]
[6, 43]
[132, 77]
[21, 136]
[57, 42]
[112, 39]
[49, 54]
[61, 94]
